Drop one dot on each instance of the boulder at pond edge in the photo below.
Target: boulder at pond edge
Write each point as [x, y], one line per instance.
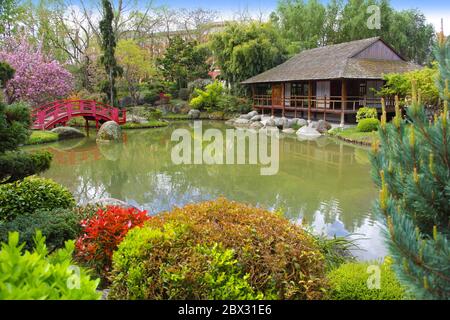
[109, 131]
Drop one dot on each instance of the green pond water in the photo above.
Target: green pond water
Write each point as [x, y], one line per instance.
[323, 183]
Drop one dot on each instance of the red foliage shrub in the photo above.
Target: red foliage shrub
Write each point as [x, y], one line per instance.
[103, 232]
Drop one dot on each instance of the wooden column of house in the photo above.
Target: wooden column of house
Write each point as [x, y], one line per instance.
[272, 111]
[283, 98]
[309, 99]
[343, 100]
[253, 96]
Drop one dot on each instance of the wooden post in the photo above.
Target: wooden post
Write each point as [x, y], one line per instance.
[343, 101]
[309, 100]
[273, 111]
[253, 96]
[283, 98]
[87, 126]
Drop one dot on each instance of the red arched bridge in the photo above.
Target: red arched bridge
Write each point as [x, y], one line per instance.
[61, 111]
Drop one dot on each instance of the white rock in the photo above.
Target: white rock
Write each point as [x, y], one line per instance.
[256, 125]
[288, 131]
[308, 132]
[194, 113]
[241, 121]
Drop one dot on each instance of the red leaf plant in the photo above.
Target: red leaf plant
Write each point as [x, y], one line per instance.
[103, 233]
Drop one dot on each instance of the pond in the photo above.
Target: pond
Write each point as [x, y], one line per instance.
[324, 183]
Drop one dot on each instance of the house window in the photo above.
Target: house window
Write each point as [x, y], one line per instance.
[263, 89]
[299, 89]
[362, 89]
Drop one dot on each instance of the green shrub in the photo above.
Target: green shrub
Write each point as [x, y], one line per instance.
[17, 165]
[35, 275]
[209, 98]
[368, 125]
[144, 125]
[31, 194]
[219, 271]
[198, 84]
[366, 113]
[150, 97]
[154, 114]
[38, 137]
[57, 226]
[351, 282]
[162, 259]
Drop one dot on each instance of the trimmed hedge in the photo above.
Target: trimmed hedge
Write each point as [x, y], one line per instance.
[368, 125]
[263, 256]
[350, 282]
[150, 124]
[38, 137]
[57, 226]
[31, 194]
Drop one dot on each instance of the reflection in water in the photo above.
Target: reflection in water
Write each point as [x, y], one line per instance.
[323, 183]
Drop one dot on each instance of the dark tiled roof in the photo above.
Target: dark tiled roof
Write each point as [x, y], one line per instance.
[333, 62]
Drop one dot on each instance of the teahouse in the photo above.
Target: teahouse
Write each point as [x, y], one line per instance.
[330, 82]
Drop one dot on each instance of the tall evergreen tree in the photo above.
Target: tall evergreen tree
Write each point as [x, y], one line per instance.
[411, 165]
[108, 59]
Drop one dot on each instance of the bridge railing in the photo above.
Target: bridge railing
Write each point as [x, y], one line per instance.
[51, 112]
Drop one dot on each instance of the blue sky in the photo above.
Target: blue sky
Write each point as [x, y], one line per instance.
[429, 5]
[433, 9]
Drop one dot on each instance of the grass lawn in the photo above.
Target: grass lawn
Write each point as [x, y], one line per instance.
[38, 137]
[149, 124]
[203, 115]
[353, 135]
[176, 116]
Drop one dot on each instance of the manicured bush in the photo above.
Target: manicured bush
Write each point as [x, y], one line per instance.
[368, 125]
[103, 232]
[57, 226]
[14, 132]
[35, 275]
[366, 113]
[149, 124]
[351, 282]
[161, 260]
[38, 137]
[31, 194]
[17, 165]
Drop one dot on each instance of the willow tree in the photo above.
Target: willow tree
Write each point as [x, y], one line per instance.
[108, 59]
[243, 50]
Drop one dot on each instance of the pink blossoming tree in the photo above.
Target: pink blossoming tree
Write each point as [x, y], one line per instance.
[38, 79]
